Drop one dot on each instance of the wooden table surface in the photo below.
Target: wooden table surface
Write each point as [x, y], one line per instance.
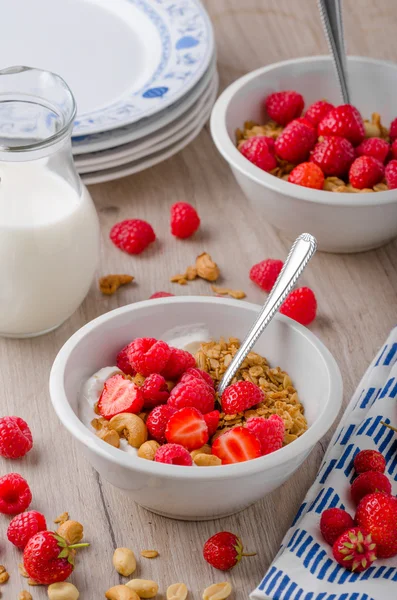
[357, 308]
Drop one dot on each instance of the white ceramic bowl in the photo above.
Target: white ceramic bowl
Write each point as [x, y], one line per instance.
[340, 222]
[196, 493]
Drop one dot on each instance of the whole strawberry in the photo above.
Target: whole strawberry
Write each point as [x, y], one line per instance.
[307, 174]
[24, 526]
[284, 106]
[224, 550]
[300, 305]
[375, 147]
[48, 559]
[296, 141]
[260, 151]
[369, 460]
[334, 522]
[344, 121]
[355, 550]
[15, 437]
[265, 273]
[365, 172]
[367, 483]
[377, 514]
[333, 155]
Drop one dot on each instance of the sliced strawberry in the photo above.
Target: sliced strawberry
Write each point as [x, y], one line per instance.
[119, 395]
[188, 428]
[212, 420]
[236, 445]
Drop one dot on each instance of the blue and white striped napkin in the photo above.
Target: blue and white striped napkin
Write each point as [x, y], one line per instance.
[304, 568]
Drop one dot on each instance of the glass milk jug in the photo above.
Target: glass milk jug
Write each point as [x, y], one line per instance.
[49, 231]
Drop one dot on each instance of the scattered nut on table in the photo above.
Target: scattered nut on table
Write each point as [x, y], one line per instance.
[62, 518]
[218, 591]
[71, 531]
[63, 591]
[149, 553]
[121, 592]
[109, 284]
[24, 595]
[124, 561]
[145, 588]
[4, 575]
[177, 591]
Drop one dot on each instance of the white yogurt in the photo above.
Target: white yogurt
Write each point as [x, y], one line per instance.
[49, 241]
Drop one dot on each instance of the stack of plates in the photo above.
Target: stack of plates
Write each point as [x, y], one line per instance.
[143, 73]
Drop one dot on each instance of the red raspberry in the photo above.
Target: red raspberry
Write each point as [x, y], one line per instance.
[285, 106]
[155, 391]
[307, 174]
[391, 174]
[344, 121]
[48, 559]
[132, 235]
[296, 141]
[192, 392]
[369, 482]
[270, 432]
[119, 395]
[377, 514]
[184, 220]
[123, 362]
[369, 460]
[355, 550]
[173, 454]
[148, 355]
[157, 421]
[300, 305]
[334, 522]
[178, 362]
[212, 421]
[256, 149]
[160, 295]
[15, 494]
[236, 445]
[224, 550]
[375, 147]
[15, 437]
[188, 428]
[25, 526]
[317, 111]
[393, 152]
[365, 172]
[240, 396]
[333, 155]
[393, 130]
[266, 272]
[199, 374]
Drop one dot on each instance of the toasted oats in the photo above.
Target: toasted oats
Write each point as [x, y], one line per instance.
[65, 515]
[139, 380]
[281, 397]
[237, 294]
[111, 283]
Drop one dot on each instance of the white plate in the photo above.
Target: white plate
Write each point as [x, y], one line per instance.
[152, 143]
[123, 59]
[124, 135]
[141, 165]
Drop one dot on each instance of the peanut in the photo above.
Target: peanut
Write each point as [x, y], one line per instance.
[124, 561]
[4, 575]
[217, 591]
[177, 591]
[121, 592]
[71, 531]
[207, 460]
[131, 427]
[24, 595]
[143, 587]
[148, 450]
[63, 591]
[149, 553]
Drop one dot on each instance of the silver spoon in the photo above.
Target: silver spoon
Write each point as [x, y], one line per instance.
[301, 252]
[331, 16]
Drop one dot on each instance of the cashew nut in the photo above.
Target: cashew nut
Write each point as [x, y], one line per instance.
[121, 592]
[71, 531]
[110, 436]
[177, 591]
[131, 427]
[218, 591]
[207, 460]
[63, 591]
[148, 450]
[124, 561]
[143, 587]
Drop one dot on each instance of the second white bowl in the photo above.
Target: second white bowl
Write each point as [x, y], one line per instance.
[341, 222]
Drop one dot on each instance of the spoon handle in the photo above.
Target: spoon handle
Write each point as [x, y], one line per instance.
[331, 16]
[301, 252]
